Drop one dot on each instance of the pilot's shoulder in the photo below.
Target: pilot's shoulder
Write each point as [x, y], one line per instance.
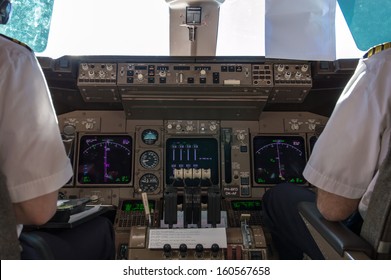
[16, 42]
[377, 49]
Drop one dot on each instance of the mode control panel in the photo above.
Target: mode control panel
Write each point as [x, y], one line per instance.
[190, 74]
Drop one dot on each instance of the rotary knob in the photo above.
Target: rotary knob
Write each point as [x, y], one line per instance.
[183, 250]
[212, 127]
[241, 136]
[140, 77]
[199, 249]
[167, 250]
[189, 128]
[215, 248]
[69, 130]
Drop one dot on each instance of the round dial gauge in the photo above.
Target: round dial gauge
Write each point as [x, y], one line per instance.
[149, 136]
[149, 159]
[149, 183]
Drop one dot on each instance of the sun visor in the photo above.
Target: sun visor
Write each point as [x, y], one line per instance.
[30, 23]
[302, 29]
[369, 21]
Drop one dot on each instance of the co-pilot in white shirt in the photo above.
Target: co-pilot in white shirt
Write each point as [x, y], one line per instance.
[347, 155]
[32, 155]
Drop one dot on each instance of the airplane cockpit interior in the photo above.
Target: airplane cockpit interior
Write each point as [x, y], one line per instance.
[178, 115]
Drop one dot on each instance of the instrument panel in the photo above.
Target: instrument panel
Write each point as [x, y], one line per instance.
[195, 173]
[121, 158]
[191, 147]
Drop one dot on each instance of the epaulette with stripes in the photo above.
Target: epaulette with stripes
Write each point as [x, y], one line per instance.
[17, 42]
[377, 49]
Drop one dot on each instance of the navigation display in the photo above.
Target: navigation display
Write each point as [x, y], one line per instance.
[278, 159]
[105, 159]
[192, 161]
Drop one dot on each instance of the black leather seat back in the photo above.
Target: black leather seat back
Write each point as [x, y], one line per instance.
[376, 228]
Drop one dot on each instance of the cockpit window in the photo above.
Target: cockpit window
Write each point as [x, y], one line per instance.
[123, 27]
[369, 21]
[30, 23]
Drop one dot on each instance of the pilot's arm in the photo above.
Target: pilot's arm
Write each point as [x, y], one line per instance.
[335, 207]
[36, 211]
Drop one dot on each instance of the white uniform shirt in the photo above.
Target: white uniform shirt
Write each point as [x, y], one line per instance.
[347, 155]
[32, 155]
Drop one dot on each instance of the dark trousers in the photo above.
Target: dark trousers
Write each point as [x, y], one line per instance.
[281, 217]
[92, 240]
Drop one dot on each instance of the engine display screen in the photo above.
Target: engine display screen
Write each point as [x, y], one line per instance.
[192, 161]
[279, 159]
[105, 159]
[246, 205]
[136, 205]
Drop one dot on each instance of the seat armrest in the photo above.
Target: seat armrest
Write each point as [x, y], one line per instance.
[336, 234]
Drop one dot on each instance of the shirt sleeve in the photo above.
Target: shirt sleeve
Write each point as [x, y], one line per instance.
[346, 155]
[32, 155]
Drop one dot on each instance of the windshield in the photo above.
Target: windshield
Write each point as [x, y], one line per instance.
[124, 27]
[30, 23]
